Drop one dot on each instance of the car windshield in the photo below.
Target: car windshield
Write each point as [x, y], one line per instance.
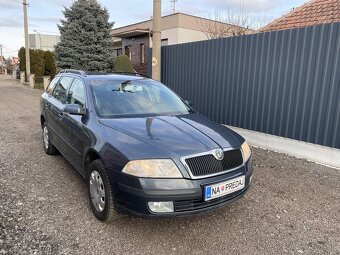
[115, 98]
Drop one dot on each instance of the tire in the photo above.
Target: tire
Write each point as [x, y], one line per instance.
[47, 144]
[100, 193]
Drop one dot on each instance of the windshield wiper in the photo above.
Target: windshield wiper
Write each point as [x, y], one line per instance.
[122, 86]
[122, 90]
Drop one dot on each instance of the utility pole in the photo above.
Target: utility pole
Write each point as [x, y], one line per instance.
[173, 6]
[156, 40]
[27, 50]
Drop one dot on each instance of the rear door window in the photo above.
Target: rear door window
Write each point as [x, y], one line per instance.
[76, 94]
[60, 89]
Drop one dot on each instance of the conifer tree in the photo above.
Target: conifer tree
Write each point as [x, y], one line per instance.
[86, 42]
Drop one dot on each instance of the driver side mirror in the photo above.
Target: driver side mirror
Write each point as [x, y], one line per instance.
[74, 109]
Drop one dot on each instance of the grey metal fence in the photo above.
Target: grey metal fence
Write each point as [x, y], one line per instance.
[285, 83]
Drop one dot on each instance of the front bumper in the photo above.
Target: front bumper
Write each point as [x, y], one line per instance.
[132, 194]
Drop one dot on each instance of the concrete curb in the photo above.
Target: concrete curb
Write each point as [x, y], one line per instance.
[316, 153]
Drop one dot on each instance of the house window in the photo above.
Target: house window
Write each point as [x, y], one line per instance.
[117, 52]
[142, 53]
[164, 42]
[128, 52]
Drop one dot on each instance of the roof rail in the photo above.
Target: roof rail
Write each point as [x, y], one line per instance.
[83, 73]
[134, 73]
[80, 72]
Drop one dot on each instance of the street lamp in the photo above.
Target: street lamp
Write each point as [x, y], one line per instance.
[39, 37]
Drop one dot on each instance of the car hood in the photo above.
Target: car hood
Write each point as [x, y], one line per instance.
[179, 135]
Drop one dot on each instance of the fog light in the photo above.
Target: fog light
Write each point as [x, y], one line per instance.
[250, 179]
[161, 207]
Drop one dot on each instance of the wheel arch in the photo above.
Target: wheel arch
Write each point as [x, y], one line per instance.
[42, 120]
[90, 156]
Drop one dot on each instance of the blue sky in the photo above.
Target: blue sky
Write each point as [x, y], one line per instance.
[45, 14]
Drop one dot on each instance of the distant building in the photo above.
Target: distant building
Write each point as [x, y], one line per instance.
[14, 61]
[312, 13]
[43, 41]
[134, 40]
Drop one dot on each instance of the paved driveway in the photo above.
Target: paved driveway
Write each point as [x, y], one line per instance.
[292, 208]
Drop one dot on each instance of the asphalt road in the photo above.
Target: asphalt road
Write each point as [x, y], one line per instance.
[293, 206]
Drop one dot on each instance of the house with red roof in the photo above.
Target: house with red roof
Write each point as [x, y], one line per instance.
[314, 12]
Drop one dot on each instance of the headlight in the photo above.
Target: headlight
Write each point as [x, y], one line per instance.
[152, 168]
[246, 151]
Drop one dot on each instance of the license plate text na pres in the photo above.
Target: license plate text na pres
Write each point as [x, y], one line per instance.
[224, 188]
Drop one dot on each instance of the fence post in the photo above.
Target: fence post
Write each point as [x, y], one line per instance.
[47, 80]
[22, 77]
[32, 80]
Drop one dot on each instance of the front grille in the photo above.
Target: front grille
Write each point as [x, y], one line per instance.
[208, 164]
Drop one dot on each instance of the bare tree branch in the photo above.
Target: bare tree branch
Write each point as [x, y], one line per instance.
[229, 20]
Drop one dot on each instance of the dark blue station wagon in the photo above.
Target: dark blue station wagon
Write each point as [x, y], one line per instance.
[142, 149]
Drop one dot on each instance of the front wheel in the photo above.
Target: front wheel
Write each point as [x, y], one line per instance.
[100, 193]
[48, 146]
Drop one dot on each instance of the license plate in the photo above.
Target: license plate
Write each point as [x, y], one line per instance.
[223, 188]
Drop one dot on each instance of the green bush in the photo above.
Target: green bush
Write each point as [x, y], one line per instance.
[22, 57]
[37, 62]
[42, 62]
[123, 64]
[50, 68]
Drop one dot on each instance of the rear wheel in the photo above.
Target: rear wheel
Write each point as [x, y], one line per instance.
[100, 193]
[48, 146]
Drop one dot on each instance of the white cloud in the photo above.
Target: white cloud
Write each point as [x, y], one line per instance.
[255, 5]
[12, 38]
[11, 23]
[66, 3]
[10, 4]
[247, 5]
[47, 19]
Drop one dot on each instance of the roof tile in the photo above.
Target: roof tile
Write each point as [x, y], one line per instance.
[312, 13]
